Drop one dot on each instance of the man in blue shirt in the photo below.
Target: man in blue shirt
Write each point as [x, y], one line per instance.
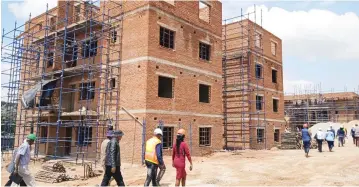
[306, 137]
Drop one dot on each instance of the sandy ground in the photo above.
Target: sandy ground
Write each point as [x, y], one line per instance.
[250, 168]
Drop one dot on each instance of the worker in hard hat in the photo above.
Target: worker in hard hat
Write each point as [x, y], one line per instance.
[329, 137]
[153, 157]
[22, 160]
[104, 144]
[179, 154]
[306, 137]
[341, 136]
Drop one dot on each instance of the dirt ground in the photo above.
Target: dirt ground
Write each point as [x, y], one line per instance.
[250, 168]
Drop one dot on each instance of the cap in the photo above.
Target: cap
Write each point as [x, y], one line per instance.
[31, 137]
[158, 131]
[117, 133]
[328, 129]
[181, 131]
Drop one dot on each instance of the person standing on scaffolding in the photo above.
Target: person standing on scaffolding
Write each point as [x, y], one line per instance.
[113, 160]
[306, 137]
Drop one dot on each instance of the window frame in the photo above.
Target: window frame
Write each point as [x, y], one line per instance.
[260, 68]
[207, 141]
[260, 132]
[171, 38]
[89, 93]
[82, 134]
[259, 103]
[169, 140]
[206, 54]
[89, 48]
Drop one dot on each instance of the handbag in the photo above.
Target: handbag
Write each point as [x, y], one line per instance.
[16, 178]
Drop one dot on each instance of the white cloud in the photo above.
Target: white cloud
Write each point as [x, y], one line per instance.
[311, 35]
[22, 9]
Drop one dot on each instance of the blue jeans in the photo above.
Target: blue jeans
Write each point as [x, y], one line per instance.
[306, 145]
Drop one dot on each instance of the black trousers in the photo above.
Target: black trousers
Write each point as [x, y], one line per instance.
[117, 176]
[320, 145]
[341, 141]
[22, 183]
[151, 174]
[330, 145]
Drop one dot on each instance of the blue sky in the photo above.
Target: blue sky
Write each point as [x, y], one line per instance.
[320, 38]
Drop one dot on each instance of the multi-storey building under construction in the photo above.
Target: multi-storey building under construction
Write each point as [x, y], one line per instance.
[82, 66]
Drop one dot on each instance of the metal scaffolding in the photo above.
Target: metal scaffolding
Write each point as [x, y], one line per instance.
[312, 105]
[68, 58]
[243, 89]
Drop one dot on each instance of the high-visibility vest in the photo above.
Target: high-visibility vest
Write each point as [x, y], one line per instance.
[150, 154]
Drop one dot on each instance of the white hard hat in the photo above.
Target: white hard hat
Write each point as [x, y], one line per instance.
[320, 129]
[158, 131]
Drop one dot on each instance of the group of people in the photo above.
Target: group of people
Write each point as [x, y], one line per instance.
[329, 137]
[153, 158]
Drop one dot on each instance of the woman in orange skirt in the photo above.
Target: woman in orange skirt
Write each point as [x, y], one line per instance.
[179, 154]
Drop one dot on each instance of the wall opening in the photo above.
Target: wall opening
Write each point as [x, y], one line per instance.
[274, 75]
[276, 135]
[204, 11]
[275, 105]
[165, 87]
[204, 93]
[204, 51]
[260, 135]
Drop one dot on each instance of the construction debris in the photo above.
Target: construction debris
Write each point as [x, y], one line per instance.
[54, 167]
[51, 177]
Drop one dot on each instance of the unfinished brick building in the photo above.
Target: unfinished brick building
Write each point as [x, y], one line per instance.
[135, 65]
[313, 108]
[253, 85]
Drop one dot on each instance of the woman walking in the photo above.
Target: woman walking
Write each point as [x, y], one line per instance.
[179, 154]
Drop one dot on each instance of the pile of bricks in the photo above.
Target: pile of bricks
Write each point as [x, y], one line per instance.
[293, 140]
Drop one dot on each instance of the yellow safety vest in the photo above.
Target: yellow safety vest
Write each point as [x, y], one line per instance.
[150, 154]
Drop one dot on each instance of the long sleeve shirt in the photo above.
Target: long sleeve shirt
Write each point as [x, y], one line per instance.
[159, 153]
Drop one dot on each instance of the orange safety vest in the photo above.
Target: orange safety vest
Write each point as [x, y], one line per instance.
[150, 154]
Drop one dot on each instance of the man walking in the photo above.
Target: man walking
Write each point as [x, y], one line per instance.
[153, 157]
[352, 132]
[356, 135]
[306, 137]
[341, 135]
[329, 137]
[22, 160]
[320, 137]
[103, 149]
[113, 160]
